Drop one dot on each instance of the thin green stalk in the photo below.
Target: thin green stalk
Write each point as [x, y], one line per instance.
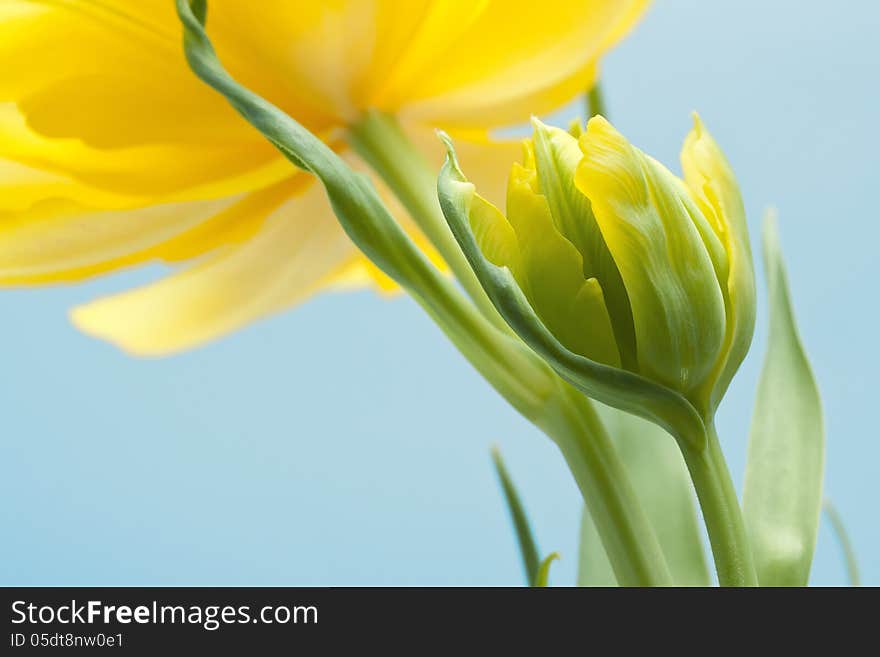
[849, 554]
[596, 102]
[721, 512]
[379, 139]
[626, 532]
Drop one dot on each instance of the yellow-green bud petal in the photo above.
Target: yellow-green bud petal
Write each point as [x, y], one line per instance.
[713, 185]
[667, 256]
[571, 305]
[557, 155]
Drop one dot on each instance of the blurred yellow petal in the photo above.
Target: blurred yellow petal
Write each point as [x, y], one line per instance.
[22, 186]
[113, 154]
[505, 62]
[299, 249]
[166, 171]
[57, 241]
[109, 100]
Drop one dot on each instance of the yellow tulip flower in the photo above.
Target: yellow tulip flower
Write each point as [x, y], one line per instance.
[112, 153]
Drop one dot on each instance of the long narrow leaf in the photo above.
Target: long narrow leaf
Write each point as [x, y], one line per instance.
[542, 577]
[782, 497]
[849, 554]
[657, 471]
[527, 546]
[594, 568]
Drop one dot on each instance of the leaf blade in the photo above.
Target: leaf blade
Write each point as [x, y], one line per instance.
[843, 539]
[782, 497]
[542, 577]
[525, 537]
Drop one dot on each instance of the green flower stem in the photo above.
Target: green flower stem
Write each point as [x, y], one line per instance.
[596, 102]
[721, 512]
[565, 415]
[626, 532]
[513, 369]
[379, 139]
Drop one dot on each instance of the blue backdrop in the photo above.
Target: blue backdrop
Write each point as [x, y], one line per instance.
[346, 442]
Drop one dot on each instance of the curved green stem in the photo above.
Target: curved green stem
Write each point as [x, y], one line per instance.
[721, 512]
[626, 532]
[379, 139]
[565, 415]
[514, 370]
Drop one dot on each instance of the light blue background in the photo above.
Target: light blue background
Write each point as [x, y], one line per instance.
[346, 442]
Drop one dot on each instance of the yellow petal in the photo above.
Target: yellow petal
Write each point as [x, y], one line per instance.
[497, 62]
[105, 96]
[22, 186]
[299, 249]
[551, 275]
[170, 172]
[57, 241]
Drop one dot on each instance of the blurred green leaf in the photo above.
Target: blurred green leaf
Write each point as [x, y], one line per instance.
[849, 554]
[594, 568]
[664, 488]
[782, 497]
[527, 546]
[543, 575]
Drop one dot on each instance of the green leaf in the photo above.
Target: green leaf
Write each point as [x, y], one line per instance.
[849, 554]
[664, 489]
[609, 385]
[543, 576]
[782, 497]
[527, 546]
[594, 568]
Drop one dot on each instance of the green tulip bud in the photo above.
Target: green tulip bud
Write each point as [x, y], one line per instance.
[635, 285]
